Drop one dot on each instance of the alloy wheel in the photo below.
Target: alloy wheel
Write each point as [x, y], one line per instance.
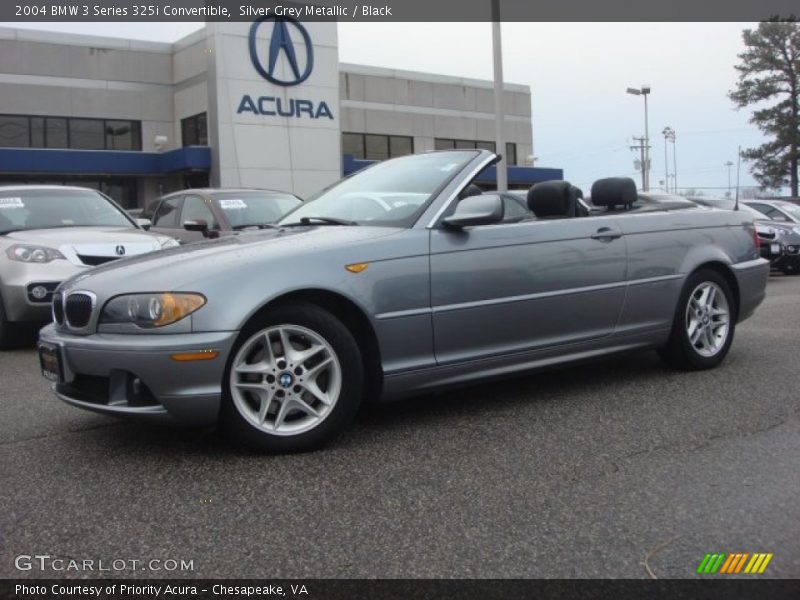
[707, 319]
[285, 380]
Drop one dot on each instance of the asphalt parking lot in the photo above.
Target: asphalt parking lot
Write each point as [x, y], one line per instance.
[580, 472]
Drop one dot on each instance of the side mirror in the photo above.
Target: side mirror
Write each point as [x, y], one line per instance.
[145, 224]
[485, 209]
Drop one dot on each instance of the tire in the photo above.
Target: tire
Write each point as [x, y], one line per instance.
[312, 392]
[695, 314]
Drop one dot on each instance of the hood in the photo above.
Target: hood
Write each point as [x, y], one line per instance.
[89, 246]
[179, 268]
[769, 229]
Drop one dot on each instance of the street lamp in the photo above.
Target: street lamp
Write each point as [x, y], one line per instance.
[729, 164]
[669, 134]
[644, 91]
[499, 117]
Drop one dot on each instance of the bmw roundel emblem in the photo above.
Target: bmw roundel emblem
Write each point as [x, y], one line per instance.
[286, 31]
[120, 250]
[285, 380]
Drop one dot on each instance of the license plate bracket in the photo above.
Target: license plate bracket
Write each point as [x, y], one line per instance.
[50, 362]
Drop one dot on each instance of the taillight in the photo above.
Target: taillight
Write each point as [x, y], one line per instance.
[756, 241]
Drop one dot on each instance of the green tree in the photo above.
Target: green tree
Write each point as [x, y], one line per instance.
[769, 77]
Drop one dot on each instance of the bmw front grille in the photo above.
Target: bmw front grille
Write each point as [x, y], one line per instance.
[78, 308]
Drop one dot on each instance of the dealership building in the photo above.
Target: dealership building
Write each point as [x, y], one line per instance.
[264, 104]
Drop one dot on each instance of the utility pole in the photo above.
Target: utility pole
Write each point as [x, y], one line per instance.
[729, 164]
[500, 144]
[642, 148]
[644, 91]
[669, 134]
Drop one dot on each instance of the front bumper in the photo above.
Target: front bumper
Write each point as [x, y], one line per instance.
[16, 280]
[135, 376]
[751, 278]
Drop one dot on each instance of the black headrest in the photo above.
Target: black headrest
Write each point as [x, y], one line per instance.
[553, 199]
[614, 191]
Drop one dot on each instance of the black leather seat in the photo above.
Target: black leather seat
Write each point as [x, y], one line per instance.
[554, 200]
[614, 191]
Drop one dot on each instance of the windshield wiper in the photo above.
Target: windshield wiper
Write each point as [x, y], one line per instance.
[259, 225]
[321, 220]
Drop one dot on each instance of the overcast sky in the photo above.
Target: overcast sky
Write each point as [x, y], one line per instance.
[583, 120]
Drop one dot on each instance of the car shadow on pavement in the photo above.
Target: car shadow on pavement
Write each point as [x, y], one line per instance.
[377, 422]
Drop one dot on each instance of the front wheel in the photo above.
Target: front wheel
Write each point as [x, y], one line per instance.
[294, 381]
[704, 323]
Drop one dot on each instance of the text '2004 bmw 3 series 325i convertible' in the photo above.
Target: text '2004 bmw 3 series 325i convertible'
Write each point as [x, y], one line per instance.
[399, 280]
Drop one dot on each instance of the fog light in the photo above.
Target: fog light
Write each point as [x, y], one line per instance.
[39, 292]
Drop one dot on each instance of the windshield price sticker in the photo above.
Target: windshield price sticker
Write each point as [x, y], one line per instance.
[232, 204]
[11, 203]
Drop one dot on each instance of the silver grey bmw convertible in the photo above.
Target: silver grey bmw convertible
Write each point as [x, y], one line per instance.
[399, 280]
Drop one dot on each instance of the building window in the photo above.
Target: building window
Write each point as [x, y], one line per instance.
[353, 144]
[37, 132]
[55, 133]
[14, 132]
[123, 135]
[376, 147]
[400, 145]
[194, 130]
[24, 131]
[86, 134]
[371, 146]
[447, 144]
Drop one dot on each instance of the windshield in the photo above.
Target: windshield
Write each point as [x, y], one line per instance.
[392, 193]
[22, 209]
[791, 209]
[244, 209]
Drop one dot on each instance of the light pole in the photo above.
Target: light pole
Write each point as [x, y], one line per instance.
[729, 164]
[669, 134]
[644, 91]
[497, 55]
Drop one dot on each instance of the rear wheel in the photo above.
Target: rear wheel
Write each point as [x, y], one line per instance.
[294, 381]
[704, 323]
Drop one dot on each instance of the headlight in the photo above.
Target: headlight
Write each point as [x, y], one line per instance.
[796, 230]
[151, 310]
[169, 243]
[33, 254]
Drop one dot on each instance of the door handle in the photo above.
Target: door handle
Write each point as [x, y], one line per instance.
[606, 234]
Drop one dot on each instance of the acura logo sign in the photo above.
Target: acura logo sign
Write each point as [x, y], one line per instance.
[120, 250]
[286, 32]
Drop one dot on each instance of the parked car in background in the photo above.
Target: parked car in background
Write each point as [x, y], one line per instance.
[774, 236]
[784, 216]
[50, 233]
[392, 283]
[777, 210]
[194, 214]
